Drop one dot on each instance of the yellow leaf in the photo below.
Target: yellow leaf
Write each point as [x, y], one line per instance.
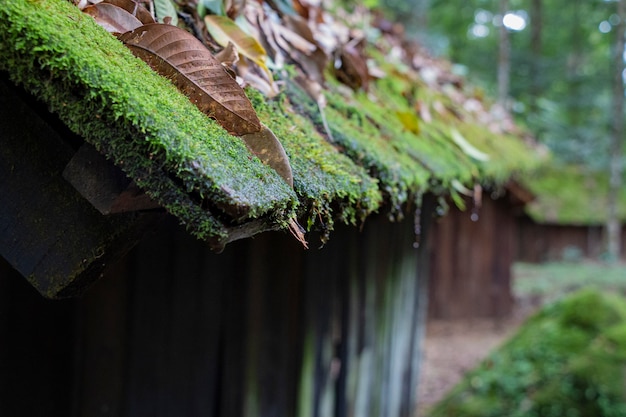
[409, 120]
[225, 30]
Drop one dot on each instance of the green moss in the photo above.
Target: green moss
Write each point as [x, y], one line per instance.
[402, 92]
[381, 131]
[206, 177]
[138, 119]
[399, 177]
[329, 185]
[570, 195]
[568, 359]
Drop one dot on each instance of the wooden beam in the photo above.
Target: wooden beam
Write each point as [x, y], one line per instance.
[103, 184]
[48, 231]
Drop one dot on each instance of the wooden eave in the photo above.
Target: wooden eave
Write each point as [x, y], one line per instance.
[140, 147]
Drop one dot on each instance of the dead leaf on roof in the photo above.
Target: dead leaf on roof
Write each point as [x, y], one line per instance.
[180, 57]
[112, 18]
[270, 151]
[224, 30]
[228, 56]
[134, 8]
[251, 75]
[293, 40]
[351, 67]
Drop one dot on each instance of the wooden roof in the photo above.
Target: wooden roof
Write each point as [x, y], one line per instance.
[570, 195]
[407, 135]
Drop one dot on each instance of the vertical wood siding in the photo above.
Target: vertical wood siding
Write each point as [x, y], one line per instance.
[264, 329]
[552, 242]
[471, 263]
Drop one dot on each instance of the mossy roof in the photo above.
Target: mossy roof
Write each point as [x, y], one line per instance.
[570, 195]
[206, 177]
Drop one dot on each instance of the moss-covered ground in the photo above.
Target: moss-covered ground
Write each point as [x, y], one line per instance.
[569, 359]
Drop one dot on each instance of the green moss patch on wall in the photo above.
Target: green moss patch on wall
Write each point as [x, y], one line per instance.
[183, 159]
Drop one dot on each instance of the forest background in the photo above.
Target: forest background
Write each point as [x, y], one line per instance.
[557, 66]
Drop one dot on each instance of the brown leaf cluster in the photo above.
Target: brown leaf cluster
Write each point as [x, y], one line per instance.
[187, 62]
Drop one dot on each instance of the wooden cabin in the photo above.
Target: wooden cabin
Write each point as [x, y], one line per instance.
[554, 242]
[147, 268]
[471, 254]
[566, 220]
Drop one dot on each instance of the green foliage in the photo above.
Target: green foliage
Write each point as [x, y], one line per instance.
[569, 359]
[166, 8]
[560, 85]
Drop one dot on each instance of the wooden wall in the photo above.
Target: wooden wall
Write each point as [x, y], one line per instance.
[263, 329]
[471, 262]
[552, 242]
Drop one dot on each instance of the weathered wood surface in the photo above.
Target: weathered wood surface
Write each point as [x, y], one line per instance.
[48, 232]
[103, 184]
[471, 262]
[36, 346]
[263, 329]
[554, 242]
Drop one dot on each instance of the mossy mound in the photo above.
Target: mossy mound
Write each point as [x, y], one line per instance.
[569, 359]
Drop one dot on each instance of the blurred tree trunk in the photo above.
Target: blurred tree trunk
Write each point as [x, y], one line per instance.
[616, 167]
[504, 59]
[536, 29]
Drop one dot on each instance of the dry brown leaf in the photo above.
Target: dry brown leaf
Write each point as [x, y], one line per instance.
[224, 31]
[300, 26]
[112, 18]
[251, 75]
[298, 232]
[351, 68]
[267, 39]
[228, 56]
[270, 151]
[180, 57]
[133, 8]
[294, 40]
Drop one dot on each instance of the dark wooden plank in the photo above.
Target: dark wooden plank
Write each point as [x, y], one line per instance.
[272, 348]
[48, 232]
[100, 347]
[471, 260]
[104, 185]
[264, 329]
[35, 350]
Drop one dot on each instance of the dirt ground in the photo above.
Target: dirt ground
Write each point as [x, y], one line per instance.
[454, 347]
